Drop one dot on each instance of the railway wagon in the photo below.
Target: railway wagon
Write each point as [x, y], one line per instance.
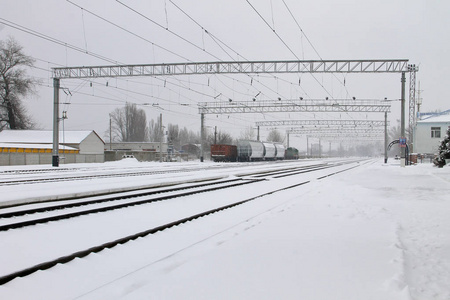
[250, 150]
[280, 151]
[270, 151]
[223, 153]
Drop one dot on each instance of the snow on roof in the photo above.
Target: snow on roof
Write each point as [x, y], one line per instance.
[42, 136]
[34, 146]
[437, 118]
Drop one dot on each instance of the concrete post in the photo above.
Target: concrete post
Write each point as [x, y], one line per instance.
[160, 138]
[55, 152]
[385, 138]
[202, 135]
[403, 134]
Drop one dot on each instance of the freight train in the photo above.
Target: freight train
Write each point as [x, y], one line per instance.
[248, 151]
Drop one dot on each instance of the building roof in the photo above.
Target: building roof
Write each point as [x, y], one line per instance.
[34, 146]
[443, 117]
[43, 136]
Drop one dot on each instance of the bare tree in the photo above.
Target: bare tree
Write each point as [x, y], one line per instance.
[248, 134]
[129, 124]
[14, 86]
[222, 138]
[173, 135]
[275, 136]
[395, 131]
[154, 131]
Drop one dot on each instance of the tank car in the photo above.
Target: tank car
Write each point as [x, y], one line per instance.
[281, 151]
[250, 150]
[270, 151]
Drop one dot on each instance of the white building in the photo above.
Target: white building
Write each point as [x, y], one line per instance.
[430, 131]
[25, 147]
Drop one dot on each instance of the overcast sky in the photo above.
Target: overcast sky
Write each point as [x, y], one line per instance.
[346, 29]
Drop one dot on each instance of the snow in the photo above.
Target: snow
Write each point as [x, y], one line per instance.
[42, 136]
[438, 118]
[34, 146]
[375, 232]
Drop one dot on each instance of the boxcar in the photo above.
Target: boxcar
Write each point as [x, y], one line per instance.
[223, 153]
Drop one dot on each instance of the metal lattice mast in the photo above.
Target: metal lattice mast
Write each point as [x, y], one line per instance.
[412, 104]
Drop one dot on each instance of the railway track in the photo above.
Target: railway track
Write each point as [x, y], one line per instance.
[150, 196]
[98, 175]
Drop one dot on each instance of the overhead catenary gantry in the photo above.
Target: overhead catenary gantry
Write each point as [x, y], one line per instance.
[234, 67]
[337, 131]
[270, 106]
[343, 123]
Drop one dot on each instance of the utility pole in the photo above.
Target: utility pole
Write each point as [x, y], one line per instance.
[202, 135]
[215, 134]
[110, 133]
[403, 134]
[55, 155]
[385, 138]
[287, 135]
[257, 135]
[307, 146]
[160, 138]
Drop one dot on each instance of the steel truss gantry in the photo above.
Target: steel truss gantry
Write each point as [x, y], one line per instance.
[235, 67]
[338, 123]
[337, 131]
[343, 136]
[290, 106]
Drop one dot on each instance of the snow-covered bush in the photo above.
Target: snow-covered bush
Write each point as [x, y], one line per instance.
[443, 150]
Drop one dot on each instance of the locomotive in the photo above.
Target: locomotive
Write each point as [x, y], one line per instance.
[247, 150]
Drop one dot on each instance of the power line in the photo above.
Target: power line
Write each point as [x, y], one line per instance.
[310, 43]
[273, 30]
[54, 40]
[285, 44]
[166, 28]
[128, 31]
[219, 43]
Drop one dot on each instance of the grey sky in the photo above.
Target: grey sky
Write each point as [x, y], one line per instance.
[347, 29]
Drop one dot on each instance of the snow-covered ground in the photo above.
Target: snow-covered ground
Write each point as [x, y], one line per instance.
[374, 232]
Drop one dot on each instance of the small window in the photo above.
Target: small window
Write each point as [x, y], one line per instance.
[435, 132]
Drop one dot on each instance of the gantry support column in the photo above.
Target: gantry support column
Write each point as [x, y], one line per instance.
[385, 138]
[403, 134]
[202, 136]
[55, 152]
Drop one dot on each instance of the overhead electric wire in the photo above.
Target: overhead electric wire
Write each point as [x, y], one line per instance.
[309, 41]
[166, 28]
[217, 40]
[287, 46]
[54, 40]
[114, 24]
[128, 31]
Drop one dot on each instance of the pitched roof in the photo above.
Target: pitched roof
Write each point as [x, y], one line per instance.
[443, 117]
[34, 146]
[43, 136]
